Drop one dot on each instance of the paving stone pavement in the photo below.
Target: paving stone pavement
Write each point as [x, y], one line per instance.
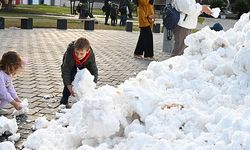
[42, 76]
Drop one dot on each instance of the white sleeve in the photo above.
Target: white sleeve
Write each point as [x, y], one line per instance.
[189, 7]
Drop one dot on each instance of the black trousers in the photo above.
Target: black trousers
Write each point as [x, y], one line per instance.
[145, 42]
[66, 93]
[107, 13]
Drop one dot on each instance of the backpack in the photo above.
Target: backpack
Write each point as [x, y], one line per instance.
[171, 17]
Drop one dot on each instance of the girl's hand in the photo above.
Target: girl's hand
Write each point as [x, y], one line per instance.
[17, 105]
[18, 100]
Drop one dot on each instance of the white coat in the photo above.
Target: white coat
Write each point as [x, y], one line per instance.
[192, 9]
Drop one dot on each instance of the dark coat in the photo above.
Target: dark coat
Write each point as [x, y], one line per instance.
[107, 5]
[69, 68]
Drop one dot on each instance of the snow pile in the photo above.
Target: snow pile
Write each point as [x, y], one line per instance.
[8, 127]
[196, 101]
[83, 84]
[7, 145]
[41, 122]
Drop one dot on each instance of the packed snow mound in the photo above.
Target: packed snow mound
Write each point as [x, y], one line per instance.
[7, 146]
[83, 83]
[8, 125]
[199, 100]
[41, 122]
[241, 64]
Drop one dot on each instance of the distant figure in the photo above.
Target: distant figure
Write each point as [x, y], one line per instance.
[114, 14]
[217, 27]
[10, 65]
[79, 55]
[82, 9]
[107, 9]
[124, 10]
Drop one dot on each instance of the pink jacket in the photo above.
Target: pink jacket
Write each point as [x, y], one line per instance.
[7, 91]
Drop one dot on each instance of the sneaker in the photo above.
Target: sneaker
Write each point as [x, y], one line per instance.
[106, 24]
[150, 58]
[138, 56]
[68, 106]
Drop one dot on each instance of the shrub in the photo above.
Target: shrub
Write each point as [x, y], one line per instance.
[218, 3]
[241, 6]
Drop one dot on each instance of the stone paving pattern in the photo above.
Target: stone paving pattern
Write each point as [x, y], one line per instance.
[42, 75]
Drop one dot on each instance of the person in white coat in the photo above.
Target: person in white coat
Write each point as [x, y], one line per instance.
[190, 10]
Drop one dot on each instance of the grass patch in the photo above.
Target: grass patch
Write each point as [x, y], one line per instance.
[201, 20]
[38, 9]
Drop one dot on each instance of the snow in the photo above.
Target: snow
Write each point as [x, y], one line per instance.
[7, 145]
[41, 122]
[24, 109]
[8, 125]
[215, 12]
[196, 101]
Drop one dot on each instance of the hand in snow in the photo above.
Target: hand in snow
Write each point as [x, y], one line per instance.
[18, 100]
[17, 105]
[71, 90]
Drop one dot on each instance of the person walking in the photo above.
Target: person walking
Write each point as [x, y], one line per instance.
[107, 6]
[190, 10]
[145, 10]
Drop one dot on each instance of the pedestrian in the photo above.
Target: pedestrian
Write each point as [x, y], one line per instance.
[123, 12]
[82, 9]
[10, 65]
[145, 10]
[123, 8]
[79, 55]
[113, 14]
[107, 8]
[189, 12]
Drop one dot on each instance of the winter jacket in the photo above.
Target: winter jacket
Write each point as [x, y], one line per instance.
[69, 65]
[7, 91]
[144, 10]
[107, 5]
[191, 9]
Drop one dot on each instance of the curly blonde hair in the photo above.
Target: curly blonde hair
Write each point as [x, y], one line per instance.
[11, 63]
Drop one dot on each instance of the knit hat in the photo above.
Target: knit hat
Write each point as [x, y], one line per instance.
[217, 27]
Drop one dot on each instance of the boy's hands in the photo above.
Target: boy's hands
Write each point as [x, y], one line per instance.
[16, 104]
[71, 90]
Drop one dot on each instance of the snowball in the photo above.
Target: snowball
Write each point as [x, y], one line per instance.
[215, 12]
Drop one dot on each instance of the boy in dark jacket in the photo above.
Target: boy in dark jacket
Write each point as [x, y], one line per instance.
[79, 55]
